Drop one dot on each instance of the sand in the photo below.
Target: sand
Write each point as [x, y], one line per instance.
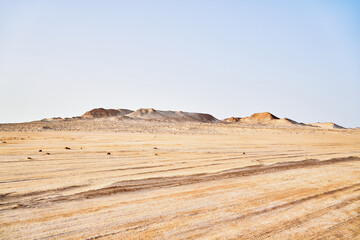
[177, 181]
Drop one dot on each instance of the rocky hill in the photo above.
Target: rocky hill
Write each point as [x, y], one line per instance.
[264, 118]
[150, 114]
[101, 113]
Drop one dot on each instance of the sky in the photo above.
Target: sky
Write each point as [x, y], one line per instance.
[295, 59]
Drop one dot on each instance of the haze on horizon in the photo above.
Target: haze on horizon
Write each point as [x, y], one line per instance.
[295, 59]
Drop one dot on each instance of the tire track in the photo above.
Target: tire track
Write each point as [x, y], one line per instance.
[306, 218]
[166, 182]
[287, 225]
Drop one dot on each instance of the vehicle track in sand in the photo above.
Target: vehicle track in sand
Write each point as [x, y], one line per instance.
[285, 186]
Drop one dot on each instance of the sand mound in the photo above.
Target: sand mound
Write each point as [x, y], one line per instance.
[101, 113]
[264, 116]
[232, 119]
[327, 125]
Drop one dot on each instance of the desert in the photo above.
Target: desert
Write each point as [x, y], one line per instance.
[152, 174]
[171, 120]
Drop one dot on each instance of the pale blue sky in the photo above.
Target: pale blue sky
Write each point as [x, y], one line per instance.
[295, 59]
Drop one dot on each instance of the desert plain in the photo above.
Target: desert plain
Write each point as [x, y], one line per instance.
[153, 180]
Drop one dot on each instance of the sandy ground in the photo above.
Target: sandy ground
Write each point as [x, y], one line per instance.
[220, 183]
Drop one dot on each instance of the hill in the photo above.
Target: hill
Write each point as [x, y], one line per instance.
[327, 125]
[264, 118]
[101, 113]
[152, 114]
[149, 114]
